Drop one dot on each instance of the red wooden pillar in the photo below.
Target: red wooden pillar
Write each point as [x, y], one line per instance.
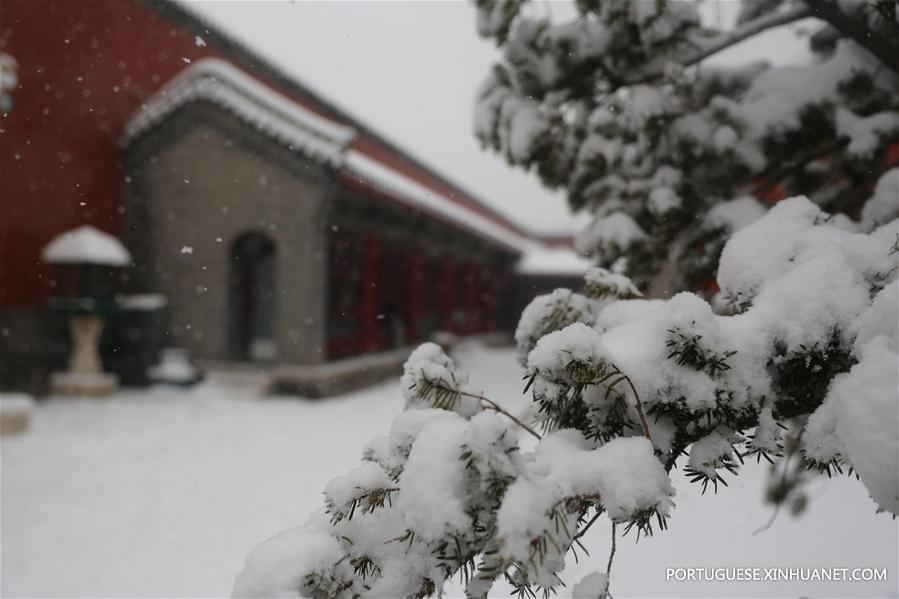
[447, 292]
[369, 309]
[416, 277]
[493, 291]
[893, 154]
[473, 292]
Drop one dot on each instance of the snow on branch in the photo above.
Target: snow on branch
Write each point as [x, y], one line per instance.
[450, 492]
[702, 49]
[886, 51]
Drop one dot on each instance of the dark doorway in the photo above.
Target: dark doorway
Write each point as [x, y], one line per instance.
[252, 293]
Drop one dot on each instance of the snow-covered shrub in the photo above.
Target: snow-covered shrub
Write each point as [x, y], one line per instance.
[623, 402]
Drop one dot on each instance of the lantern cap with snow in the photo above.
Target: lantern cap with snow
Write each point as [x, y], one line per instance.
[86, 260]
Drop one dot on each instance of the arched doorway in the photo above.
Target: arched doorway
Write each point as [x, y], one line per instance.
[252, 294]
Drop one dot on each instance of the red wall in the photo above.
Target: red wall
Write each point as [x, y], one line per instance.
[83, 68]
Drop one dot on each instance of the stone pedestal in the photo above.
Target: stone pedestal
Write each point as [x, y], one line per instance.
[13, 424]
[85, 375]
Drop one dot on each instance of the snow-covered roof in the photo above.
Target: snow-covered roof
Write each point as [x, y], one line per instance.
[559, 261]
[410, 192]
[86, 245]
[219, 82]
[288, 122]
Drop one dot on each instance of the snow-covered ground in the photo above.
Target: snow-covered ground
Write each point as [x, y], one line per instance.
[164, 492]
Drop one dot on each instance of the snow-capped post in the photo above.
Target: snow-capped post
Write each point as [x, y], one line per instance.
[85, 260]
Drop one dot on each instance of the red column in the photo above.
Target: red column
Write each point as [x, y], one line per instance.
[893, 154]
[369, 311]
[473, 290]
[447, 293]
[494, 285]
[416, 276]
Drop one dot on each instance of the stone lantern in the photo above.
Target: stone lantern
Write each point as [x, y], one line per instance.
[85, 261]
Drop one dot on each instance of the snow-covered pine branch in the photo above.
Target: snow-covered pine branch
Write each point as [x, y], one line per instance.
[797, 361]
[450, 492]
[859, 21]
[619, 108]
[709, 45]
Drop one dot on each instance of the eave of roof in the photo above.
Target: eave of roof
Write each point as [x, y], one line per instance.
[221, 83]
[368, 171]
